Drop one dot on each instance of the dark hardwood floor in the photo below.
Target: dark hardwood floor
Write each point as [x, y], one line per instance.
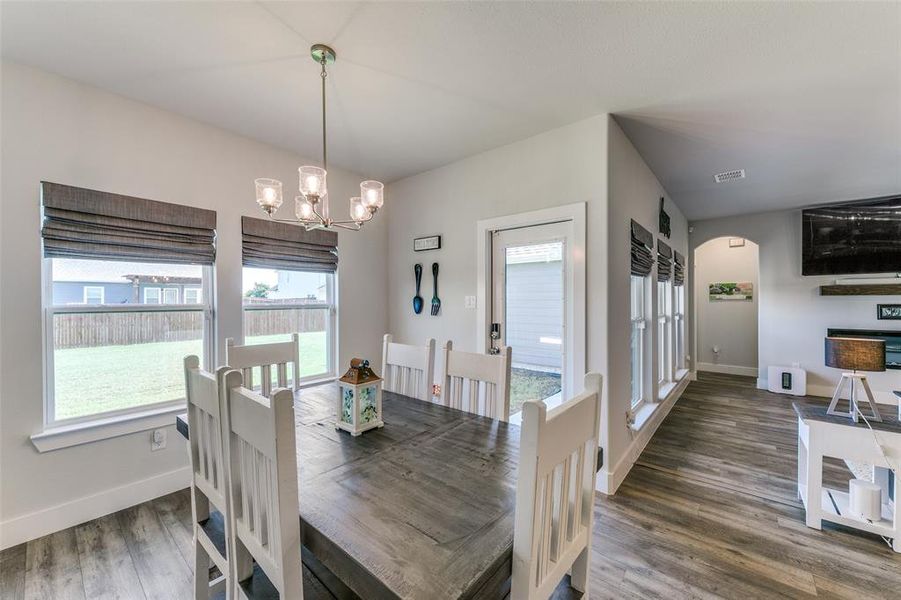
[709, 511]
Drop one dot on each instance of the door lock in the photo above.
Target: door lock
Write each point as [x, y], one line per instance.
[495, 336]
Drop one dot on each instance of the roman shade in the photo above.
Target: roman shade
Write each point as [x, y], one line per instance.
[273, 245]
[642, 250]
[678, 269]
[664, 261]
[82, 223]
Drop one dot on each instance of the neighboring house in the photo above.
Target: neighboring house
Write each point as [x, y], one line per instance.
[534, 291]
[100, 282]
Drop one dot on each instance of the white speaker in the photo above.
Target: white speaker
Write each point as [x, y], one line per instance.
[787, 380]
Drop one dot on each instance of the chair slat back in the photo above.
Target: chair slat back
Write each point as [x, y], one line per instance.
[555, 493]
[272, 359]
[408, 369]
[477, 383]
[263, 485]
[208, 467]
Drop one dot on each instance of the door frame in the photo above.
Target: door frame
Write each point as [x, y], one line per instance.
[575, 313]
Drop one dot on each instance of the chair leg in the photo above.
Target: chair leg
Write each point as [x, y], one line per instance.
[201, 571]
[579, 572]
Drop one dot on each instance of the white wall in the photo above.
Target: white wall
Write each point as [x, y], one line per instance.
[558, 167]
[731, 326]
[634, 193]
[793, 317]
[58, 130]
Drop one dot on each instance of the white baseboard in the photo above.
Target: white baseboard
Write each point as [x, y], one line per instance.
[608, 481]
[56, 518]
[728, 369]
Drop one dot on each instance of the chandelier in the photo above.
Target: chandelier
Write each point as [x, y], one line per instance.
[311, 208]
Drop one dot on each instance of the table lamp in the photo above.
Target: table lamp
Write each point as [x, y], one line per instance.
[856, 354]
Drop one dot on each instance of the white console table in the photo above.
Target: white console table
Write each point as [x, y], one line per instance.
[821, 435]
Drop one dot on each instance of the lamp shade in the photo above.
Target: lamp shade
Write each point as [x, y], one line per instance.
[856, 354]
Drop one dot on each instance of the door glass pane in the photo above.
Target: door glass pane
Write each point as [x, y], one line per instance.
[534, 320]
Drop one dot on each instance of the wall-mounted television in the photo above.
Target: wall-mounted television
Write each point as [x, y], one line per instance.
[854, 237]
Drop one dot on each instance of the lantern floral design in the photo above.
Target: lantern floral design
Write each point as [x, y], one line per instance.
[359, 405]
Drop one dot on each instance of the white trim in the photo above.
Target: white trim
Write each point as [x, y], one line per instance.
[578, 331]
[170, 289]
[85, 432]
[728, 369]
[159, 291]
[191, 290]
[56, 518]
[84, 293]
[608, 480]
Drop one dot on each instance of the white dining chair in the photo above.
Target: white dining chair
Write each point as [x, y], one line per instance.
[266, 357]
[210, 504]
[265, 531]
[552, 525]
[408, 369]
[477, 383]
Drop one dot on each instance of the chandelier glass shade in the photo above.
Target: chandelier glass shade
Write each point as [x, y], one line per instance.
[311, 208]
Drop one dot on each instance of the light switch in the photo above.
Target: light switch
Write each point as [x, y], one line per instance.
[469, 302]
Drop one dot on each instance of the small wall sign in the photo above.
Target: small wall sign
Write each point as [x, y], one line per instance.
[888, 312]
[664, 221]
[432, 242]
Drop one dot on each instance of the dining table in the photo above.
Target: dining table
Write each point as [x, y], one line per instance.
[420, 508]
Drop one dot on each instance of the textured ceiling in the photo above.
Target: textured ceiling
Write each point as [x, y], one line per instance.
[805, 96]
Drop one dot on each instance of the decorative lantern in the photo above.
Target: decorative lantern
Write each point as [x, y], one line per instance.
[359, 404]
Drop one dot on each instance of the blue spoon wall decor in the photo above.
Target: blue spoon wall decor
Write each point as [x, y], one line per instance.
[417, 299]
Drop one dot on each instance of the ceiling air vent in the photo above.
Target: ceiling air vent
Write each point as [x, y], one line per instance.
[727, 176]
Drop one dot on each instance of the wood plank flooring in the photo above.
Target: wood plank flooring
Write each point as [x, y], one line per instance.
[709, 511]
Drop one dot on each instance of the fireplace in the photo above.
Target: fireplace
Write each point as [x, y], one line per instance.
[892, 342]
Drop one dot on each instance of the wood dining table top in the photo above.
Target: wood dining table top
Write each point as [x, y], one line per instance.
[421, 508]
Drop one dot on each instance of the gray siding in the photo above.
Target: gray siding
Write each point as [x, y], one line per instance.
[535, 310]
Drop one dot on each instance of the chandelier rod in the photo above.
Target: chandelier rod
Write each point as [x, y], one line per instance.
[323, 74]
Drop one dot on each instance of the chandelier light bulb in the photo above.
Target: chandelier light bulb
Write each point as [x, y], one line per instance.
[358, 212]
[303, 209]
[372, 193]
[269, 193]
[312, 182]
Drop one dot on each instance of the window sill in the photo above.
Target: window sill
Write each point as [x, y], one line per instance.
[665, 390]
[66, 436]
[680, 374]
[643, 415]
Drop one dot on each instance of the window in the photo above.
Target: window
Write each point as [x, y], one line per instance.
[664, 332]
[639, 326]
[192, 295]
[115, 354]
[679, 325]
[279, 302]
[93, 294]
[153, 295]
[170, 296]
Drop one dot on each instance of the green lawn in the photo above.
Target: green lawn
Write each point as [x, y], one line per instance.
[107, 378]
[526, 384]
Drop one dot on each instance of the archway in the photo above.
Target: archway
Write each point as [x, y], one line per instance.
[726, 286]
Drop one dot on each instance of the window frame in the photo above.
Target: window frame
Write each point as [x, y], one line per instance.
[163, 297]
[84, 294]
[331, 338]
[192, 291]
[49, 311]
[679, 368]
[664, 334]
[157, 289]
[639, 322]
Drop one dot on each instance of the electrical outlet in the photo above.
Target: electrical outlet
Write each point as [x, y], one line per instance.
[469, 302]
[158, 440]
[436, 389]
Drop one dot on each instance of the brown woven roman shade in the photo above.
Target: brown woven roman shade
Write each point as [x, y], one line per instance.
[273, 245]
[678, 269]
[664, 261]
[82, 223]
[642, 250]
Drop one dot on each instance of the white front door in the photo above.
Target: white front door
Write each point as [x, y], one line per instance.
[531, 291]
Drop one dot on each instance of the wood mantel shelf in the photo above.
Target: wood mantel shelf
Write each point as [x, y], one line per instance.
[864, 289]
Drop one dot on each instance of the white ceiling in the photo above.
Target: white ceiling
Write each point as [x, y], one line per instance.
[805, 96]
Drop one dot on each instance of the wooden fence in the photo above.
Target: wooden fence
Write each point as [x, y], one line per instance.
[124, 328]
